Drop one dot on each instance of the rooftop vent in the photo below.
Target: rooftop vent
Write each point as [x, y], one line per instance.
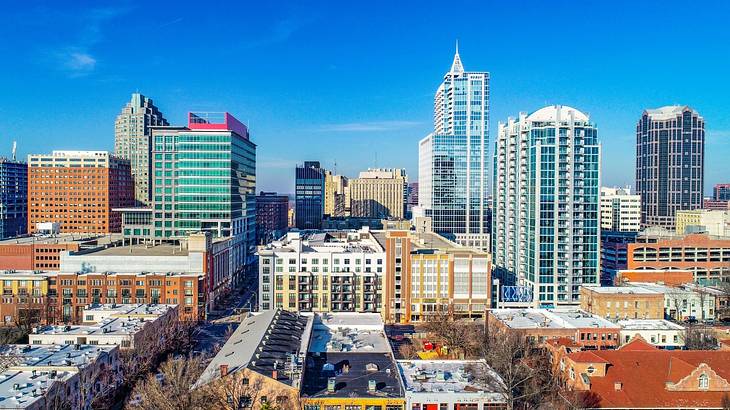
[372, 384]
[371, 367]
[331, 385]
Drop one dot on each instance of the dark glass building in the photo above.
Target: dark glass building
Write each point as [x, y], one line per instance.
[309, 195]
[13, 197]
[614, 254]
[670, 163]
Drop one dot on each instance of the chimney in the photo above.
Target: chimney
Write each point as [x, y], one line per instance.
[275, 374]
[224, 370]
[371, 385]
[618, 386]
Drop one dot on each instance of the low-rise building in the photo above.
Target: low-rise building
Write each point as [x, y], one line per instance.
[42, 252]
[622, 302]
[712, 222]
[614, 249]
[40, 377]
[25, 297]
[264, 359]
[658, 332]
[639, 376]
[682, 303]
[585, 329]
[350, 364]
[339, 271]
[122, 326]
[671, 277]
[451, 385]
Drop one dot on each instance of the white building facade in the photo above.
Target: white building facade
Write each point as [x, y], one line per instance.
[620, 210]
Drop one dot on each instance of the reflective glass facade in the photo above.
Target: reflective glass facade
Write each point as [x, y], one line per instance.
[13, 198]
[310, 181]
[453, 161]
[546, 203]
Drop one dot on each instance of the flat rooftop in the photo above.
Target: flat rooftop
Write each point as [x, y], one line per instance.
[164, 249]
[622, 290]
[531, 318]
[26, 371]
[25, 274]
[465, 377]
[347, 241]
[348, 332]
[110, 326]
[64, 238]
[352, 375]
[648, 324]
[130, 309]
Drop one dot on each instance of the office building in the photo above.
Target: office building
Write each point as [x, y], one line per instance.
[336, 195]
[711, 222]
[132, 141]
[453, 161]
[426, 274]
[614, 254]
[622, 302]
[379, 193]
[620, 211]
[309, 184]
[670, 163]
[412, 198]
[271, 216]
[79, 190]
[322, 272]
[708, 257]
[545, 212]
[13, 197]
[721, 192]
[40, 377]
[542, 325]
[44, 252]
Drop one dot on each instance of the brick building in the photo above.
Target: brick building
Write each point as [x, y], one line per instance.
[44, 252]
[78, 190]
[25, 297]
[272, 212]
[622, 302]
[708, 257]
[671, 277]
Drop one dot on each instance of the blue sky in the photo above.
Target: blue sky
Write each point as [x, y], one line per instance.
[354, 83]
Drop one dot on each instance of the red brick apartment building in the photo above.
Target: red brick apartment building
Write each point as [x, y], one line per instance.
[78, 190]
[638, 375]
[43, 252]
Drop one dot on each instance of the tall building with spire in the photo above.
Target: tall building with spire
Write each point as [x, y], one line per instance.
[453, 160]
[132, 134]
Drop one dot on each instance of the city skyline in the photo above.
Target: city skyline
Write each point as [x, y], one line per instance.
[332, 107]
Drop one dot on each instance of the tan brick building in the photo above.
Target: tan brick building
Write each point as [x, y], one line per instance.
[622, 302]
[78, 190]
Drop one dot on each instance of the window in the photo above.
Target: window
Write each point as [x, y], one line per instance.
[704, 382]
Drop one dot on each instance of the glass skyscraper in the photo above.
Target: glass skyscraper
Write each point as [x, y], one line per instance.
[310, 184]
[204, 179]
[13, 197]
[132, 141]
[453, 160]
[546, 204]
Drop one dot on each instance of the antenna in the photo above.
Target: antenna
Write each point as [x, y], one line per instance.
[15, 149]
[335, 166]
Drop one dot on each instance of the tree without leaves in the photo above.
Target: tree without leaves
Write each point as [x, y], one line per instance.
[699, 337]
[171, 389]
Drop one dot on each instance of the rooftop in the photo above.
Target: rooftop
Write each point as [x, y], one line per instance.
[531, 318]
[163, 249]
[348, 332]
[25, 274]
[669, 112]
[363, 375]
[464, 377]
[137, 310]
[109, 326]
[360, 241]
[648, 324]
[625, 290]
[91, 240]
[264, 342]
[553, 113]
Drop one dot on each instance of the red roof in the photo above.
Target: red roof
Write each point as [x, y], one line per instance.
[638, 344]
[563, 341]
[643, 375]
[586, 356]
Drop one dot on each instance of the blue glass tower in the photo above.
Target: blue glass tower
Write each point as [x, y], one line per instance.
[309, 203]
[453, 160]
[13, 198]
[546, 204]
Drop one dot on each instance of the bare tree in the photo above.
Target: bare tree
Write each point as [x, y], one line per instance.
[408, 351]
[171, 388]
[233, 393]
[699, 337]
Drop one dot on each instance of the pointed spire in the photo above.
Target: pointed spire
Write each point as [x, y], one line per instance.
[456, 66]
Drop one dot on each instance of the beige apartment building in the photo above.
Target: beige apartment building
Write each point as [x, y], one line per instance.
[336, 195]
[620, 210]
[379, 193]
[622, 302]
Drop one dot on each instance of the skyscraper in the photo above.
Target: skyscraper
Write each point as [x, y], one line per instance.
[132, 141]
[453, 160]
[309, 202]
[336, 195]
[13, 197]
[670, 150]
[272, 211]
[620, 210]
[546, 185]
